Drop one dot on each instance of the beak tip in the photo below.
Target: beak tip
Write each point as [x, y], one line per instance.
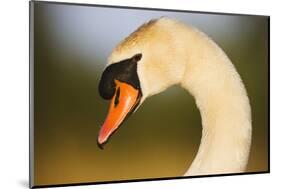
[100, 145]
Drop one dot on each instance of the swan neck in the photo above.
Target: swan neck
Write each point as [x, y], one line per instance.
[225, 111]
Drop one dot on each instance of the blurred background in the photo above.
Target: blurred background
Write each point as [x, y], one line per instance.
[71, 46]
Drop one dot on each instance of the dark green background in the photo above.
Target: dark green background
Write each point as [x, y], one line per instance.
[71, 45]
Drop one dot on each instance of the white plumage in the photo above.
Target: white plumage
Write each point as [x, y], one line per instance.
[174, 53]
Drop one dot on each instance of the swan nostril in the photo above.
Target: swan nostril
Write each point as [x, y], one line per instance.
[116, 100]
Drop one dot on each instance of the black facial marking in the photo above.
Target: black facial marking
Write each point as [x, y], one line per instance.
[116, 101]
[125, 71]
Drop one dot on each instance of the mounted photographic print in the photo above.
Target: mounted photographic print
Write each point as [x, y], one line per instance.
[120, 94]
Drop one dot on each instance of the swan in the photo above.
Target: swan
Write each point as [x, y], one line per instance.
[165, 52]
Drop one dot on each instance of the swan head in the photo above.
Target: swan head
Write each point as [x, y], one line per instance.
[120, 84]
[140, 66]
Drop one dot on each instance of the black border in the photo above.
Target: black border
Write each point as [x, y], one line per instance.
[31, 91]
[144, 8]
[268, 90]
[149, 179]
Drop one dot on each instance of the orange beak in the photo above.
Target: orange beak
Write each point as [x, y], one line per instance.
[124, 101]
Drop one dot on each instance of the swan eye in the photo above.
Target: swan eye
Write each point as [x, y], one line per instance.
[136, 57]
[116, 101]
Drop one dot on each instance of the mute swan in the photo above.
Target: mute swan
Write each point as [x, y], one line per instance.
[166, 52]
